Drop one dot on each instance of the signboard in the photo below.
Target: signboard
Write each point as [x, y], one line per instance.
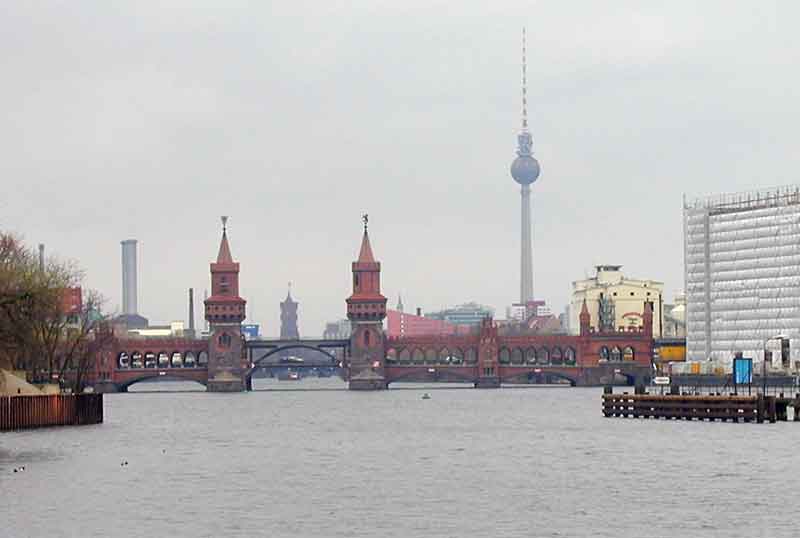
[742, 371]
[661, 380]
[251, 331]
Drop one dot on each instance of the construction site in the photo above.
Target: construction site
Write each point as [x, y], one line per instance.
[742, 277]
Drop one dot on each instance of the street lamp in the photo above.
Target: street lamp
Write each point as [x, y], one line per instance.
[780, 337]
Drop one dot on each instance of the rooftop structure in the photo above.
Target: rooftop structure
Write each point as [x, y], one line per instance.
[463, 314]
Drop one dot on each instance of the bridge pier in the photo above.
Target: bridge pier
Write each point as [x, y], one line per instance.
[227, 384]
[107, 387]
[487, 383]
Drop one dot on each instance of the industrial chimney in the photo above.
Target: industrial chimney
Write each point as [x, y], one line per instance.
[191, 312]
[41, 257]
[130, 292]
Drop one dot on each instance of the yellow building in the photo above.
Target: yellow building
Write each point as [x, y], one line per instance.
[615, 301]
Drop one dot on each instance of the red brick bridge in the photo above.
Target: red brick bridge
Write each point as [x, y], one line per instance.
[370, 360]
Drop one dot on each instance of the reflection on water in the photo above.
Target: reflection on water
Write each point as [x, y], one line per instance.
[283, 462]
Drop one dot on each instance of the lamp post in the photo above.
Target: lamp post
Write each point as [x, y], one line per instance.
[764, 362]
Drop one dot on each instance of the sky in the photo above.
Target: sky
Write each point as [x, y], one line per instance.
[149, 120]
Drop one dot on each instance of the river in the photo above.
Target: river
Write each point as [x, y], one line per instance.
[323, 463]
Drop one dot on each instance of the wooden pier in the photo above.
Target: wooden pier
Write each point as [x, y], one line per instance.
[20, 412]
[711, 407]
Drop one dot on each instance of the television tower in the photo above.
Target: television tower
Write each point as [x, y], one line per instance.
[525, 170]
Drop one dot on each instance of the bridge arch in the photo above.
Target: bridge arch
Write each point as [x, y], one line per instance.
[423, 374]
[271, 352]
[154, 374]
[530, 376]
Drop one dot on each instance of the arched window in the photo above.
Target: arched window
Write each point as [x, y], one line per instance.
[557, 357]
[505, 356]
[604, 355]
[616, 354]
[366, 338]
[430, 356]
[471, 356]
[123, 361]
[456, 356]
[224, 340]
[136, 360]
[444, 356]
[544, 356]
[163, 360]
[627, 353]
[202, 359]
[149, 360]
[418, 357]
[530, 356]
[189, 361]
[391, 355]
[177, 360]
[405, 356]
[569, 357]
[517, 356]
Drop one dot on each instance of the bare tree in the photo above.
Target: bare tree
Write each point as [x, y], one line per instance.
[39, 331]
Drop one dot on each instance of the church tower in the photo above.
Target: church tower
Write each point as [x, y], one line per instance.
[366, 308]
[225, 311]
[289, 329]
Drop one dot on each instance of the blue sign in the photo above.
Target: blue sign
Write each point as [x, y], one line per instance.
[251, 331]
[742, 371]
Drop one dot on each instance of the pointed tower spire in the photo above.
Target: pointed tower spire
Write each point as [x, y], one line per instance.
[224, 255]
[584, 319]
[289, 292]
[365, 254]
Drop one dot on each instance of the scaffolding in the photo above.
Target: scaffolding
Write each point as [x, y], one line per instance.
[742, 274]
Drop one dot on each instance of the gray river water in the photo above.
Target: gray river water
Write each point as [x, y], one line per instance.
[510, 462]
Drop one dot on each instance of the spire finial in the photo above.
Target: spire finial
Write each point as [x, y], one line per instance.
[524, 83]
[365, 220]
[224, 220]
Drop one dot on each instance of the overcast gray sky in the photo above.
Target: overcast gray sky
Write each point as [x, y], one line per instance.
[148, 120]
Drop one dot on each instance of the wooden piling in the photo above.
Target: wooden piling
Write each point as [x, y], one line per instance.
[20, 412]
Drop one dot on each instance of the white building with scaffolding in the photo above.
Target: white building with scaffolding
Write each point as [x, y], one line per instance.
[742, 275]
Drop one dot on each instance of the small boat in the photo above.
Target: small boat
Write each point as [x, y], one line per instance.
[426, 396]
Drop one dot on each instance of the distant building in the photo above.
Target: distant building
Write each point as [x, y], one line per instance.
[464, 314]
[675, 318]
[251, 331]
[523, 311]
[72, 301]
[174, 329]
[401, 324]
[337, 330]
[615, 301]
[289, 330]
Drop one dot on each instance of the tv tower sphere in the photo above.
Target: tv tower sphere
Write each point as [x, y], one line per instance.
[525, 168]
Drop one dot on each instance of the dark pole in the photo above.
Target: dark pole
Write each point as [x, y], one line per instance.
[764, 370]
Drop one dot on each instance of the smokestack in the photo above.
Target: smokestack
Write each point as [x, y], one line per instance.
[41, 257]
[191, 310]
[419, 311]
[130, 292]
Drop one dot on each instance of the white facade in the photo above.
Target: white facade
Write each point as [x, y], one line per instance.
[615, 301]
[742, 273]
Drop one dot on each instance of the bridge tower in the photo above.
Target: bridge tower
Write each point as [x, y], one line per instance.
[488, 351]
[225, 311]
[366, 308]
